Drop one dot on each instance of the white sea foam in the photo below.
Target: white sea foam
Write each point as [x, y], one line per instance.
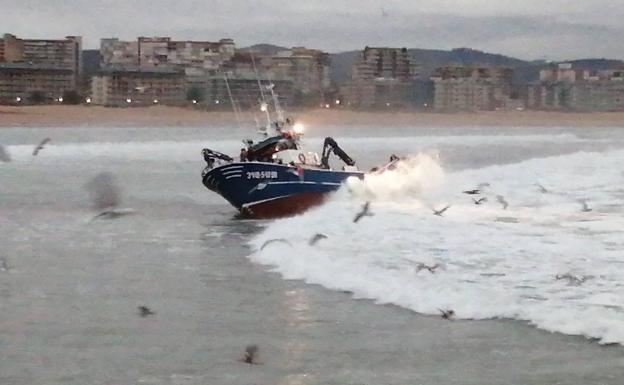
[494, 262]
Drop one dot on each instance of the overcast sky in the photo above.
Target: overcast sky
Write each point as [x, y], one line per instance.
[528, 29]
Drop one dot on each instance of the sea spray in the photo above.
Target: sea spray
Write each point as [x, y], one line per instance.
[490, 268]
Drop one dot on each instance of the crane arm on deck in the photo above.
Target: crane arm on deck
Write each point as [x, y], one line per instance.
[330, 146]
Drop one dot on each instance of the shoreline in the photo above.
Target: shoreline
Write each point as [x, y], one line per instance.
[162, 116]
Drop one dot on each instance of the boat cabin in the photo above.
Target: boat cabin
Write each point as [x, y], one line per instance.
[298, 157]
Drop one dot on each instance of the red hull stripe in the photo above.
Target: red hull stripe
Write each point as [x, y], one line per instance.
[285, 206]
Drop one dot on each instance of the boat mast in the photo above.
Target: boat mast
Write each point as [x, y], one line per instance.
[265, 106]
[233, 102]
[276, 103]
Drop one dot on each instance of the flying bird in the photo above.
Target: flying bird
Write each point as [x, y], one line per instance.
[4, 265]
[145, 311]
[447, 314]
[40, 146]
[542, 189]
[479, 201]
[431, 269]
[584, 207]
[441, 211]
[4, 154]
[250, 355]
[104, 191]
[477, 190]
[502, 201]
[276, 240]
[317, 237]
[572, 279]
[106, 196]
[364, 213]
[113, 214]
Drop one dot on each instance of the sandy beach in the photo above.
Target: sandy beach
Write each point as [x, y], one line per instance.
[63, 116]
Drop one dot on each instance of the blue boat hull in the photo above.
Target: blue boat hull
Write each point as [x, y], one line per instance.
[267, 190]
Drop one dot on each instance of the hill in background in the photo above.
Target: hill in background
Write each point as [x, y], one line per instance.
[430, 59]
[427, 61]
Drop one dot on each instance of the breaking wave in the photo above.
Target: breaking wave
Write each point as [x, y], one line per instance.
[543, 259]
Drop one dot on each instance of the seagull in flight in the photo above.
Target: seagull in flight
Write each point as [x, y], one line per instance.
[251, 352]
[479, 201]
[447, 314]
[477, 190]
[317, 237]
[441, 211]
[502, 201]
[4, 265]
[584, 207]
[40, 146]
[573, 279]
[113, 214]
[276, 240]
[542, 189]
[106, 196]
[145, 311]
[431, 269]
[364, 213]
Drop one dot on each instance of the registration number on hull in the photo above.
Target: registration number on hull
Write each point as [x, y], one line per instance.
[262, 175]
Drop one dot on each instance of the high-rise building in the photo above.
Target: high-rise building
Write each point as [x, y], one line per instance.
[380, 77]
[135, 88]
[472, 88]
[151, 52]
[43, 66]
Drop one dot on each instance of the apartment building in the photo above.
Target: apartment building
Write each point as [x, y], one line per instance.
[563, 87]
[152, 52]
[471, 88]
[47, 67]
[380, 77]
[138, 87]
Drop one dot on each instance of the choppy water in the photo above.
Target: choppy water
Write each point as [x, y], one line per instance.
[68, 303]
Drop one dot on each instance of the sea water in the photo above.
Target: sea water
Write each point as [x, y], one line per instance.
[354, 308]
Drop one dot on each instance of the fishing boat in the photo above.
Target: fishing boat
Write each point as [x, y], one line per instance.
[276, 177]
